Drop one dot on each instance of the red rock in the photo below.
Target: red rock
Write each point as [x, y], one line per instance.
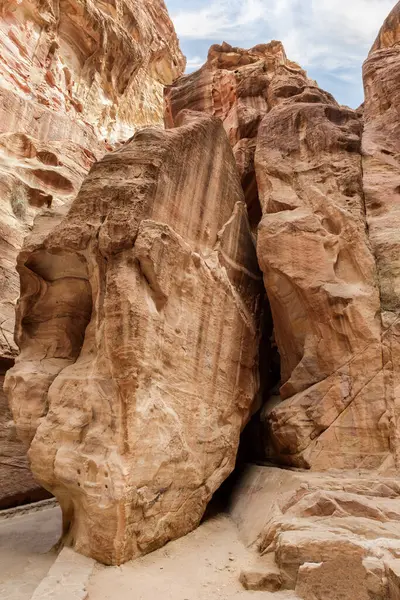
[69, 79]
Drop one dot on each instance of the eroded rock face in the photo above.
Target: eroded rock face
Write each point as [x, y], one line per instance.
[75, 77]
[299, 155]
[381, 169]
[328, 246]
[17, 485]
[69, 80]
[104, 63]
[240, 87]
[323, 535]
[138, 331]
[321, 280]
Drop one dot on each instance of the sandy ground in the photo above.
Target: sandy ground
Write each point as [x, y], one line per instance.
[25, 551]
[204, 565]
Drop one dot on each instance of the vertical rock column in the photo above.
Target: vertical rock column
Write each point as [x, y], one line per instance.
[320, 276]
[138, 332]
[381, 168]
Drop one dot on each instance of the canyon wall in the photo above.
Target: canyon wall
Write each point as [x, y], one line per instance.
[138, 329]
[381, 183]
[75, 78]
[148, 340]
[307, 187]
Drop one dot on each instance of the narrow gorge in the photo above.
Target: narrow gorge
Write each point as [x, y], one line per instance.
[208, 274]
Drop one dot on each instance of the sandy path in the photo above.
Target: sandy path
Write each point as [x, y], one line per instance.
[204, 565]
[25, 542]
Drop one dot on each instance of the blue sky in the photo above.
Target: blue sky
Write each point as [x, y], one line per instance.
[329, 38]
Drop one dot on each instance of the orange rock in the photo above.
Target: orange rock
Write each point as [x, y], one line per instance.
[69, 78]
[138, 332]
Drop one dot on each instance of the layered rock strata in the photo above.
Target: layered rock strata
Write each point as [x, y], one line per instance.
[138, 331]
[17, 485]
[300, 158]
[381, 181]
[323, 535]
[75, 77]
[321, 280]
[328, 245]
[240, 87]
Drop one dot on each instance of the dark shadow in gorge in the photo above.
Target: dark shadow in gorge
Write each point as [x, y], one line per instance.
[254, 445]
[253, 441]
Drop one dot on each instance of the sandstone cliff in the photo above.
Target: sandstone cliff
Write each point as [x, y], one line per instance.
[75, 77]
[138, 331]
[381, 181]
[324, 199]
[300, 158]
[142, 324]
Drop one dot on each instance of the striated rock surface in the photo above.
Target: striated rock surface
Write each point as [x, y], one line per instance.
[138, 331]
[321, 280]
[100, 63]
[240, 87]
[72, 76]
[323, 535]
[381, 180]
[17, 485]
[75, 77]
[299, 156]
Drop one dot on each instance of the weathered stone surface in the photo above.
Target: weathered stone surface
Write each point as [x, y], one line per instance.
[381, 170]
[138, 334]
[69, 80]
[328, 244]
[330, 536]
[67, 578]
[321, 281]
[240, 87]
[17, 485]
[70, 76]
[319, 269]
[102, 63]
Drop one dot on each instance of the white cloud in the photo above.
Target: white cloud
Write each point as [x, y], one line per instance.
[194, 62]
[327, 34]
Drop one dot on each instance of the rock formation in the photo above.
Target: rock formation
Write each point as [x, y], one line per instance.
[138, 331]
[299, 155]
[321, 280]
[240, 87]
[326, 180]
[142, 317]
[325, 535]
[75, 77]
[381, 180]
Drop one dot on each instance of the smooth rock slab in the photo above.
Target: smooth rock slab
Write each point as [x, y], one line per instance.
[67, 579]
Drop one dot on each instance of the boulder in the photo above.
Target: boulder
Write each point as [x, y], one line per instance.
[70, 73]
[138, 330]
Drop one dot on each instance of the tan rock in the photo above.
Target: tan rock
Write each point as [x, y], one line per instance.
[240, 86]
[263, 576]
[321, 281]
[138, 334]
[346, 545]
[381, 169]
[17, 485]
[393, 575]
[86, 61]
[70, 72]
[319, 270]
